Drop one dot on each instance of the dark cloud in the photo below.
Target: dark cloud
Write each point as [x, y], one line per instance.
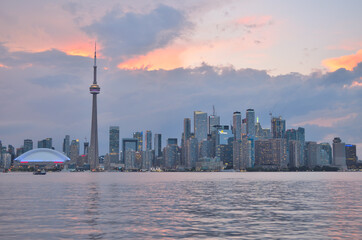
[54, 81]
[127, 34]
[50, 98]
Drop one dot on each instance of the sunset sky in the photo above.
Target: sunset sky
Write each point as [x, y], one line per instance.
[158, 61]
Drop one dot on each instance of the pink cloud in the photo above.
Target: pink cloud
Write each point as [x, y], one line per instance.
[348, 61]
[327, 121]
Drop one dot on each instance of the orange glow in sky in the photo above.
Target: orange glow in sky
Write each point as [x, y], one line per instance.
[348, 62]
[166, 59]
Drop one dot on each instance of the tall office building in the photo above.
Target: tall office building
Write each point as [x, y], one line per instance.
[46, 143]
[170, 155]
[74, 151]
[270, 153]
[278, 127]
[114, 144]
[94, 90]
[351, 156]
[86, 148]
[339, 153]
[129, 145]
[66, 145]
[250, 122]
[294, 153]
[192, 148]
[28, 145]
[325, 154]
[200, 125]
[158, 145]
[185, 135]
[139, 137]
[187, 128]
[237, 125]
[214, 120]
[148, 140]
[312, 154]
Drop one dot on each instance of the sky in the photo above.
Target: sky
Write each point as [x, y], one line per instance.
[158, 61]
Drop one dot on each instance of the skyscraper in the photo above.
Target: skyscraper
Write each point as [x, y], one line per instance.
[148, 140]
[351, 155]
[237, 126]
[94, 90]
[158, 145]
[187, 128]
[213, 121]
[46, 143]
[200, 125]
[28, 145]
[278, 127]
[339, 153]
[139, 137]
[66, 145]
[128, 145]
[250, 122]
[74, 151]
[114, 144]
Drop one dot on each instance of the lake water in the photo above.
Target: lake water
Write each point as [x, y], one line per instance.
[224, 205]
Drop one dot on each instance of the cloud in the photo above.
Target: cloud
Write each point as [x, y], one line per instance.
[166, 59]
[129, 34]
[55, 81]
[348, 62]
[50, 98]
[327, 121]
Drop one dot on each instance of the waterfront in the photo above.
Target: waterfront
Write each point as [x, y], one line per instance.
[220, 205]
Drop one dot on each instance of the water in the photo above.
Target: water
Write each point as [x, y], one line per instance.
[181, 205]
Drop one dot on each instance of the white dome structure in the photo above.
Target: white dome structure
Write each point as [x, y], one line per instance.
[42, 155]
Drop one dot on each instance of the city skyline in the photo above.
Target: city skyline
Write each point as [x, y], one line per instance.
[45, 79]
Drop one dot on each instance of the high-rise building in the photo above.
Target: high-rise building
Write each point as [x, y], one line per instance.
[85, 148]
[312, 154]
[147, 159]
[74, 151]
[46, 143]
[191, 152]
[114, 144]
[170, 155]
[187, 128]
[130, 145]
[139, 137]
[200, 125]
[270, 153]
[214, 120]
[94, 90]
[294, 150]
[325, 154]
[339, 153]
[237, 125]
[185, 135]
[28, 145]
[351, 156]
[148, 140]
[158, 145]
[66, 145]
[205, 148]
[250, 122]
[278, 127]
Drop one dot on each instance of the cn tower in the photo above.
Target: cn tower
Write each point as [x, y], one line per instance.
[94, 90]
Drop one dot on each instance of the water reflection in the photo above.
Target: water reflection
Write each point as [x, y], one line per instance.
[181, 205]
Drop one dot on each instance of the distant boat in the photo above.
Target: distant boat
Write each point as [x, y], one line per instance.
[39, 172]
